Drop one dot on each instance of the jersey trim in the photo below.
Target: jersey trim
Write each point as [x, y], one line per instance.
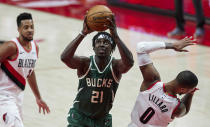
[81, 77]
[24, 47]
[176, 106]
[17, 54]
[164, 89]
[153, 85]
[97, 65]
[114, 76]
[13, 75]
[36, 46]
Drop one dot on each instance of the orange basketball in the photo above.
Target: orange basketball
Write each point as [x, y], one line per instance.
[97, 17]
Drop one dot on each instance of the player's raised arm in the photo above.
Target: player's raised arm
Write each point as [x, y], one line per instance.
[126, 61]
[149, 72]
[68, 56]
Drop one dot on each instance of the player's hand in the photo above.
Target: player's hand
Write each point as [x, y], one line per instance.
[42, 106]
[179, 45]
[111, 25]
[86, 30]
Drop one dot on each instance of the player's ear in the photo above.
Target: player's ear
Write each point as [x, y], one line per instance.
[183, 90]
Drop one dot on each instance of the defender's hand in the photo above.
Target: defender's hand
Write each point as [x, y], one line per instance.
[179, 45]
[42, 106]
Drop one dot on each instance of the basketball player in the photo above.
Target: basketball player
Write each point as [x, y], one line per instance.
[99, 76]
[17, 59]
[157, 103]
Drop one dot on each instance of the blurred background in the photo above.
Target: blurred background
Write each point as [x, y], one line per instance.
[149, 16]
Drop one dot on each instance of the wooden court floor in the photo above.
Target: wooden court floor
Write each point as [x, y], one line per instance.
[58, 83]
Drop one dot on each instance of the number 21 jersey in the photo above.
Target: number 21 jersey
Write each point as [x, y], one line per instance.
[96, 90]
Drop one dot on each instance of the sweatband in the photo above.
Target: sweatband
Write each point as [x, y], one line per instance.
[148, 47]
[82, 34]
[104, 36]
[143, 59]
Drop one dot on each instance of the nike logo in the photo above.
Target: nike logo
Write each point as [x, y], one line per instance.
[92, 69]
[21, 52]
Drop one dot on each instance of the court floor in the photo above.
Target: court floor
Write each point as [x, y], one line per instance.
[58, 84]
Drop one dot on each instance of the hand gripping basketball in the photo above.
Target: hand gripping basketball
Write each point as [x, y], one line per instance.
[97, 17]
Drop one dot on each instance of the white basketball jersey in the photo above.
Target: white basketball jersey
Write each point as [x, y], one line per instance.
[153, 107]
[13, 73]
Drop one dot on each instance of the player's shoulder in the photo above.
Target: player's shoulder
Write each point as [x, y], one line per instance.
[11, 45]
[156, 84]
[85, 59]
[115, 61]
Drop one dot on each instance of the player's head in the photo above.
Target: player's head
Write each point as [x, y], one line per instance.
[187, 81]
[103, 44]
[25, 26]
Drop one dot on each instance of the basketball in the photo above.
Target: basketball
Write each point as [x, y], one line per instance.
[97, 17]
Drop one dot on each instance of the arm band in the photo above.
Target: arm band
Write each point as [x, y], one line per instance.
[143, 59]
[148, 47]
[144, 48]
[82, 34]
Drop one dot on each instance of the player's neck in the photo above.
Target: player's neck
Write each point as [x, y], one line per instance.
[22, 41]
[170, 88]
[102, 61]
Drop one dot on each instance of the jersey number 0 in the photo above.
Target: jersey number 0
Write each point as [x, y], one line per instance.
[147, 115]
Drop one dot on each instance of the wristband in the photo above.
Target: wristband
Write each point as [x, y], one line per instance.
[82, 34]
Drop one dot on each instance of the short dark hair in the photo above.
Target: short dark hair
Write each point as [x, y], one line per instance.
[23, 16]
[187, 79]
[113, 44]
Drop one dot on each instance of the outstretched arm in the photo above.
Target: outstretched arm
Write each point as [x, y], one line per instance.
[68, 57]
[149, 73]
[126, 61]
[33, 84]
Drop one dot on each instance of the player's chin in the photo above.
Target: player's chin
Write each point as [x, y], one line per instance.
[29, 38]
[102, 55]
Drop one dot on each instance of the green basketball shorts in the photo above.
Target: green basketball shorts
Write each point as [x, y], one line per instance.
[78, 119]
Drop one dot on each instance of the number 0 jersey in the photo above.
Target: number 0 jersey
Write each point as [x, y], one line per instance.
[153, 107]
[96, 90]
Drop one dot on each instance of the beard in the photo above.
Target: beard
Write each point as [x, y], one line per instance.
[26, 38]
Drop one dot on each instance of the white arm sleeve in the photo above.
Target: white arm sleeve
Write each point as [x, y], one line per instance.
[144, 48]
[148, 47]
[143, 59]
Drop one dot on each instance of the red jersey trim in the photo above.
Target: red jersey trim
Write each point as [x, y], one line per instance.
[164, 89]
[153, 85]
[36, 48]
[176, 106]
[18, 79]
[25, 48]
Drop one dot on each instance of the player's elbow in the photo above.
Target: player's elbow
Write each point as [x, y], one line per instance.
[130, 62]
[64, 58]
[141, 47]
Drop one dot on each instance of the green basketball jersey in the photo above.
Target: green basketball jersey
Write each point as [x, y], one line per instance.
[96, 90]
